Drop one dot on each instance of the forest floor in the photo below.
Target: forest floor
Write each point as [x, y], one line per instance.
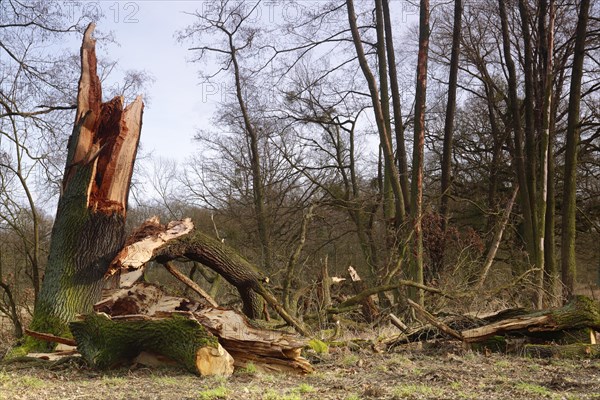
[444, 371]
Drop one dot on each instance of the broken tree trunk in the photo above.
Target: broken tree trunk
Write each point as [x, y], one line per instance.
[196, 246]
[575, 350]
[580, 313]
[105, 342]
[162, 245]
[268, 350]
[369, 309]
[89, 227]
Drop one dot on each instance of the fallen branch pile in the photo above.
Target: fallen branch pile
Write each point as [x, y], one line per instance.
[569, 331]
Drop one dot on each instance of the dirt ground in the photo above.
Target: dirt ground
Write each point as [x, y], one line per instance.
[443, 372]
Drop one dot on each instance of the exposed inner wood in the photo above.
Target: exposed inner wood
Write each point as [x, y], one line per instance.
[105, 139]
[267, 349]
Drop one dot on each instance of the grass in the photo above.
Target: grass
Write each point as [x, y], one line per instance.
[536, 390]
[32, 382]
[114, 380]
[349, 360]
[411, 391]
[248, 369]
[214, 394]
[273, 395]
[303, 388]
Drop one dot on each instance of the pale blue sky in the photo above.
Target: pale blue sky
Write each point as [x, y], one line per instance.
[145, 31]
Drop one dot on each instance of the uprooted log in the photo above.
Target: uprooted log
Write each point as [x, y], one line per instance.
[574, 350]
[150, 243]
[568, 331]
[105, 342]
[580, 313]
[246, 342]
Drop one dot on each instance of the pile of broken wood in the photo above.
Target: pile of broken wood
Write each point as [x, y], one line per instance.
[569, 332]
[137, 322]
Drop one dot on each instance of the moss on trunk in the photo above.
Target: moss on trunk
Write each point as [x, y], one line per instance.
[105, 343]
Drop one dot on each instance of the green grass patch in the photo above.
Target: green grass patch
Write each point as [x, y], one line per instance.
[214, 394]
[270, 394]
[412, 391]
[536, 390]
[350, 360]
[248, 369]
[303, 388]
[31, 382]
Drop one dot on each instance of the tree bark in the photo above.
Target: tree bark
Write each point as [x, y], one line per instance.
[515, 118]
[200, 247]
[105, 342]
[416, 200]
[385, 141]
[450, 111]
[89, 227]
[246, 342]
[581, 312]
[396, 105]
[569, 204]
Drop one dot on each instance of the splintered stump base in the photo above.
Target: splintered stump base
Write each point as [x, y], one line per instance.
[105, 342]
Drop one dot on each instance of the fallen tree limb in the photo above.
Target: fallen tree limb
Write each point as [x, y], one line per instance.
[369, 292]
[434, 321]
[581, 312]
[149, 243]
[497, 239]
[190, 283]
[105, 343]
[575, 350]
[47, 337]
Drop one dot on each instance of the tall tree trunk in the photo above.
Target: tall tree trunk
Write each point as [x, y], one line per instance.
[255, 159]
[90, 220]
[546, 47]
[515, 116]
[385, 141]
[450, 111]
[569, 206]
[537, 200]
[396, 105]
[388, 194]
[416, 265]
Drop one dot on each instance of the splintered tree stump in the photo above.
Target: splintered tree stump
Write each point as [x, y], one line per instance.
[268, 350]
[89, 226]
[104, 342]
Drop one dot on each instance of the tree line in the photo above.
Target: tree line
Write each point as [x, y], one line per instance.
[460, 149]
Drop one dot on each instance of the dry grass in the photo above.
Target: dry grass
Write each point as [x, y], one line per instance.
[443, 372]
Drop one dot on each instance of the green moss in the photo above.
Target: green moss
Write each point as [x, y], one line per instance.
[580, 312]
[105, 343]
[495, 344]
[318, 346]
[32, 345]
